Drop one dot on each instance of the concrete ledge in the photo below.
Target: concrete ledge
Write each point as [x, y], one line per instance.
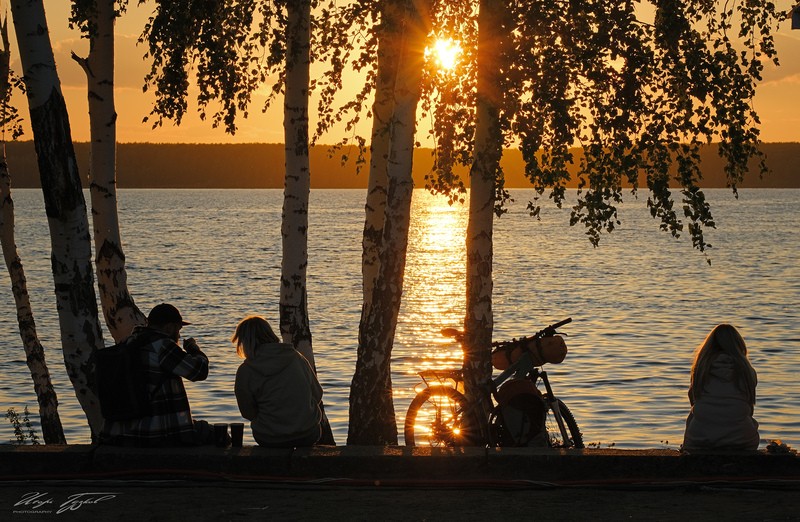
[398, 464]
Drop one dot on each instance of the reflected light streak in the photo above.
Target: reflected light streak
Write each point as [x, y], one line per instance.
[434, 289]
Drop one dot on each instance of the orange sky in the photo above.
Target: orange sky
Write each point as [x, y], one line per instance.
[776, 101]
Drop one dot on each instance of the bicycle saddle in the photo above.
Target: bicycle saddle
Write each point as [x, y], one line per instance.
[452, 332]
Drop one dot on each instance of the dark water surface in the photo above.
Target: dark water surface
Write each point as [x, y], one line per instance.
[641, 302]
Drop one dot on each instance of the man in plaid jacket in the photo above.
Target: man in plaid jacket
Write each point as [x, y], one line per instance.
[166, 364]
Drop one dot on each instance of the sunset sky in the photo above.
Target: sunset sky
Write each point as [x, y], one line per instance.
[775, 101]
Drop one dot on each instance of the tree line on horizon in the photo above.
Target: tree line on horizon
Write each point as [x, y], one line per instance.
[257, 165]
[642, 86]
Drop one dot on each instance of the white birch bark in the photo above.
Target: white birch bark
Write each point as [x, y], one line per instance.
[372, 416]
[479, 321]
[382, 110]
[294, 320]
[64, 204]
[52, 430]
[119, 310]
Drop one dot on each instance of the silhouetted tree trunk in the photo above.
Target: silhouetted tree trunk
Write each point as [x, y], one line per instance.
[372, 417]
[119, 310]
[52, 431]
[64, 204]
[484, 177]
[295, 327]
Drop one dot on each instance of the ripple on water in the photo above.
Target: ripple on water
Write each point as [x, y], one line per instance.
[640, 302]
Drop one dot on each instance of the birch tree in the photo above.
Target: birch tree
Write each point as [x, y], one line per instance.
[52, 431]
[229, 45]
[637, 87]
[294, 318]
[485, 181]
[64, 205]
[385, 41]
[389, 43]
[96, 18]
[372, 418]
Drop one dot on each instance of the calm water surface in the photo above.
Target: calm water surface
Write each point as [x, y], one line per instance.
[641, 302]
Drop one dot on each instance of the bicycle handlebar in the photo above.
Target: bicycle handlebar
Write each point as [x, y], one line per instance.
[548, 331]
[551, 330]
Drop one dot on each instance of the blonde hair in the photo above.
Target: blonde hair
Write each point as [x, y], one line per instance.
[251, 332]
[724, 338]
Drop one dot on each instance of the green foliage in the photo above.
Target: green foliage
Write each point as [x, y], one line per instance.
[83, 13]
[638, 86]
[449, 99]
[348, 40]
[229, 48]
[23, 429]
[641, 96]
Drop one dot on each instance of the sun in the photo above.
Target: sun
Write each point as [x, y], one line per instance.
[445, 52]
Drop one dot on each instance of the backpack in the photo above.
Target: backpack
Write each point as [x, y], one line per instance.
[519, 418]
[550, 349]
[122, 382]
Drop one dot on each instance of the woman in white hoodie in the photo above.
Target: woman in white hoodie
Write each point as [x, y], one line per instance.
[276, 388]
[722, 394]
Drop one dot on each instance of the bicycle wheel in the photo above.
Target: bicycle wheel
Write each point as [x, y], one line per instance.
[555, 439]
[435, 418]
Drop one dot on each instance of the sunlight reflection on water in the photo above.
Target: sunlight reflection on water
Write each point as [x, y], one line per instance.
[641, 302]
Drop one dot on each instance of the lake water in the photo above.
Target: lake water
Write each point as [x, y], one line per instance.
[640, 303]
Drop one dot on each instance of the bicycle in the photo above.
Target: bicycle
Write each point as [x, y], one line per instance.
[438, 414]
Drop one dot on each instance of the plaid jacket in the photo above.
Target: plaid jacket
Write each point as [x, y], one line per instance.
[171, 422]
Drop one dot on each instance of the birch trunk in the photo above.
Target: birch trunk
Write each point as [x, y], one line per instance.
[372, 417]
[294, 223]
[294, 320]
[119, 310]
[479, 322]
[64, 204]
[382, 109]
[52, 431]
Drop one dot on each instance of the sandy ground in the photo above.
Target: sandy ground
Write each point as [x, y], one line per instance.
[141, 501]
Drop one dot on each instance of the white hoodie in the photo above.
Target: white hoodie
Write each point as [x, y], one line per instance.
[277, 390]
[722, 417]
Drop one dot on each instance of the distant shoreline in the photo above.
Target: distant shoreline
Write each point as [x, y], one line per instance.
[260, 165]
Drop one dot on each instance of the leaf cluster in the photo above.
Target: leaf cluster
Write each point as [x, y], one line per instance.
[10, 119]
[84, 13]
[229, 47]
[637, 93]
[637, 86]
[350, 41]
[639, 96]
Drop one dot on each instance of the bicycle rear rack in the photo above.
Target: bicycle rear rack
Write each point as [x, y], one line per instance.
[450, 378]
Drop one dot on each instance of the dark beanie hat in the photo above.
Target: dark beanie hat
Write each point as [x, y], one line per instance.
[164, 314]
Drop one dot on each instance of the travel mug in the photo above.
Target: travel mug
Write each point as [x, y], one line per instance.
[221, 435]
[237, 434]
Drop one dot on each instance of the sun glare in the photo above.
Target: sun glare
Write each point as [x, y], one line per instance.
[446, 53]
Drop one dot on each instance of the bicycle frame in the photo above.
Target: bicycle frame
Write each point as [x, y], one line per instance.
[523, 368]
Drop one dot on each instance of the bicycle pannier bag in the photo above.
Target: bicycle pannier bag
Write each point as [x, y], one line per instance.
[519, 418]
[550, 349]
[122, 383]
